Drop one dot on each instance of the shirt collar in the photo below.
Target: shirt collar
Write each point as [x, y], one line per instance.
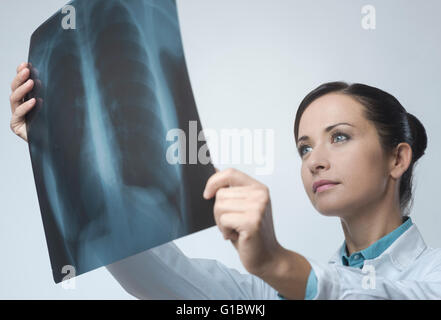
[403, 245]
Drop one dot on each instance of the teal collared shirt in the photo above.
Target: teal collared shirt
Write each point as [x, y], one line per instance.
[357, 258]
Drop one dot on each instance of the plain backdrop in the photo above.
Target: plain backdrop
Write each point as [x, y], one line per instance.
[250, 62]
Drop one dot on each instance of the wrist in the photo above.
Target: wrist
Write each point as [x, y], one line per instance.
[288, 273]
[276, 265]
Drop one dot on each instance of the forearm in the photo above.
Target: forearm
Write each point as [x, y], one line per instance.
[165, 272]
[288, 274]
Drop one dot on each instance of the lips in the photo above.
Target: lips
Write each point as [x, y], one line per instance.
[322, 183]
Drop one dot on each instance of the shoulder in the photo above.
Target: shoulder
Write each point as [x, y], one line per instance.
[431, 254]
[429, 261]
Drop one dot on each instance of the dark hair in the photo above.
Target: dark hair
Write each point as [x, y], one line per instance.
[394, 125]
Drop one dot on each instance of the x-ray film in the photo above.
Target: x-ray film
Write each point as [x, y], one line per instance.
[117, 149]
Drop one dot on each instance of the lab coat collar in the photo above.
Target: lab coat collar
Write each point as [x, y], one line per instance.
[403, 251]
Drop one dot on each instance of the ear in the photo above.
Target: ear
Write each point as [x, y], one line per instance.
[401, 159]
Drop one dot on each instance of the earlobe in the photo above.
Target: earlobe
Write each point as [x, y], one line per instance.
[401, 160]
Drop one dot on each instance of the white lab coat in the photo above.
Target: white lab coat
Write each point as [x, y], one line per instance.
[407, 269]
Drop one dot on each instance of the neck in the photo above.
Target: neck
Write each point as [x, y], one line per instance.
[370, 224]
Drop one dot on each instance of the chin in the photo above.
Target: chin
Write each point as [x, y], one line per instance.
[329, 207]
[328, 213]
[332, 202]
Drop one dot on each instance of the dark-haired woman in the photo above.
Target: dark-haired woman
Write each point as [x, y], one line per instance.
[358, 148]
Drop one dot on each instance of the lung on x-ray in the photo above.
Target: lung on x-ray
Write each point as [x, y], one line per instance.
[112, 133]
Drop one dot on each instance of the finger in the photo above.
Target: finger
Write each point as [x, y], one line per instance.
[23, 109]
[37, 84]
[217, 170]
[21, 77]
[240, 192]
[226, 178]
[232, 223]
[21, 66]
[230, 205]
[226, 206]
[18, 95]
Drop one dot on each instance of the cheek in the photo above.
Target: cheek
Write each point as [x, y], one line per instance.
[361, 171]
[363, 174]
[306, 179]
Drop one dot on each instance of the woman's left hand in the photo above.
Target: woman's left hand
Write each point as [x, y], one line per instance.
[242, 211]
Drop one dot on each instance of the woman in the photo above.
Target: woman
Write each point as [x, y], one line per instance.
[364, 177]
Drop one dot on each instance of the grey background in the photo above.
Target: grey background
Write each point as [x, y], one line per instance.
[250, 62]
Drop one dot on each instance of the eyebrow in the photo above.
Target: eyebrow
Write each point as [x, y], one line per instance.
[326, 130]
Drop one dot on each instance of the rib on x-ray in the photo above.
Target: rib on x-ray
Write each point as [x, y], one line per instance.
[108, 91]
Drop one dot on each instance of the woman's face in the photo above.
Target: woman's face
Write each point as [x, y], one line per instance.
[348, 154]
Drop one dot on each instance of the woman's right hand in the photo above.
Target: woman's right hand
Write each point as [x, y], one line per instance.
[20, 86]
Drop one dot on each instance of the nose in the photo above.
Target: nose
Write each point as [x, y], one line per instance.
[318, 160]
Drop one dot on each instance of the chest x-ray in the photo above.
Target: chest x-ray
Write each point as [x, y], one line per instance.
[110, 94]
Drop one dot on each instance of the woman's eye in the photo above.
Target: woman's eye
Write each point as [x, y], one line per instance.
[340, 134]
[301, 148]
[337, 134]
